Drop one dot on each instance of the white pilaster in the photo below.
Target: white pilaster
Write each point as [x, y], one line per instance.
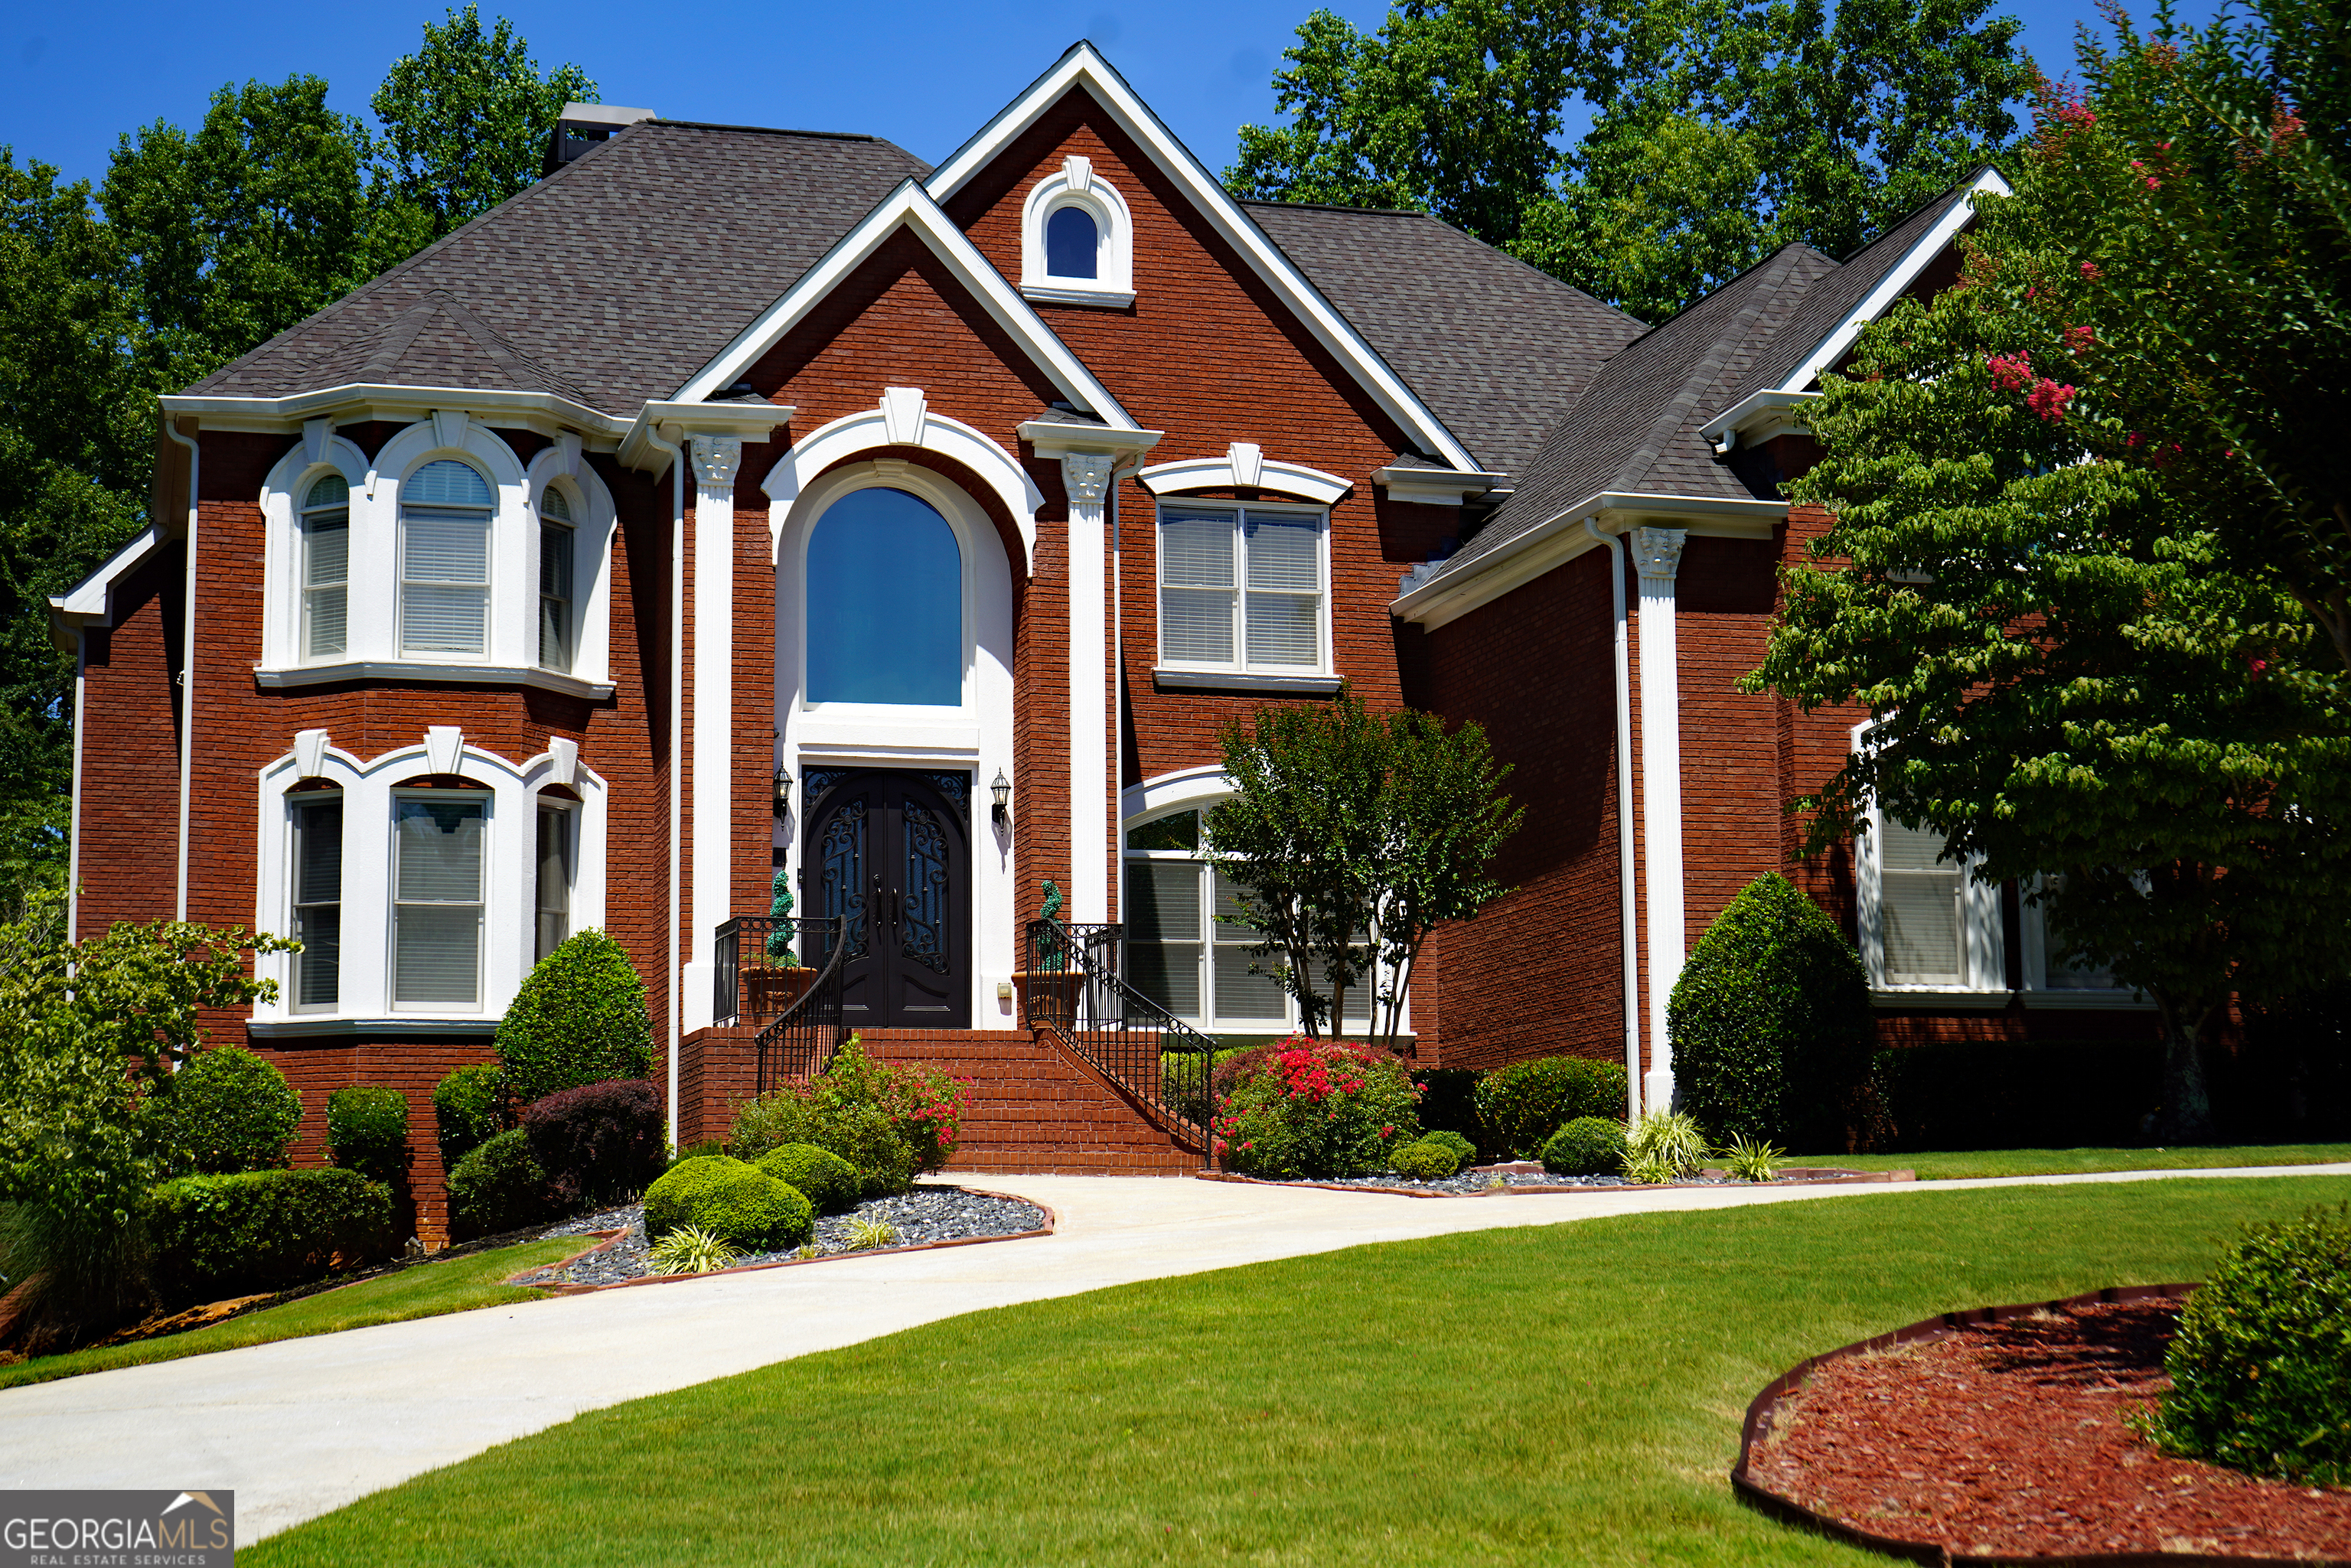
[1656, 557]
[1086, 476]
[716, 458]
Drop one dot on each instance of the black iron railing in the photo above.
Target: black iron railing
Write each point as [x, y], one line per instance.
[801, 1040]
[760, 965]
[1078, 990]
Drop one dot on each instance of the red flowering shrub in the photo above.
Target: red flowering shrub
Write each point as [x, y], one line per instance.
[1306, 1108]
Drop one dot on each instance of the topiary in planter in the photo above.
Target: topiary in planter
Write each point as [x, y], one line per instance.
[1770, 1021]
[2261, 1369]
[1524, 1104]
[823, 1177]
[465, 1111]
[737, 1203]
[498, 1187]
[596, 1143]
[1464, 1153]
[366, 1131]
[1425, 1161]
[226, 1110]
[579, 1019]
[1589, 1146]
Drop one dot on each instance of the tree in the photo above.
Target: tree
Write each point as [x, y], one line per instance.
[2067, 676]
[466, 119]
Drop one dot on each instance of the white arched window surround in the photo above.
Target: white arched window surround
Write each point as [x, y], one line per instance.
[510, 882]
[373, 637]
[1974, 970]
[1075, 185]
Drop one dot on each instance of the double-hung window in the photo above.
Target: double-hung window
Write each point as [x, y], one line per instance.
[318, 899]
[326, 567]
[555, 639]
[553, 865]
[1920, 904]
[436, 891]
[1241, 588]
[444, 560]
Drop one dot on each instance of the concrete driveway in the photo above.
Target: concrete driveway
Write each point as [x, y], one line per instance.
[302, 1427]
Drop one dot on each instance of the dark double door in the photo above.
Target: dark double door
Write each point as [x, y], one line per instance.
[889, 853]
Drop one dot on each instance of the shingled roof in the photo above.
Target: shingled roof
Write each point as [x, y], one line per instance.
[608, 282]
[1498, 349]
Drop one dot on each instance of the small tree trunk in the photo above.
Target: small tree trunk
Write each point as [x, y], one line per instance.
[2187, 1115]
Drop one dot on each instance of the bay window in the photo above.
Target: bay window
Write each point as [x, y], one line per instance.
[437, 912]
[552, 878]
[317, 857]
[444, 560]
[554, 619]
[1241, 588]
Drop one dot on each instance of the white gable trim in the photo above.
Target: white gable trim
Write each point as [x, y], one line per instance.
[1082, 66]
[910, 206]
[90, 601]
[1226, 473]
[869, 431]
[1926, 248]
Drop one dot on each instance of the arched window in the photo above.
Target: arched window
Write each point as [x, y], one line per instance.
[555, 618]
[444, 559]
[884, 603]
[326, 567]
[1072, 242]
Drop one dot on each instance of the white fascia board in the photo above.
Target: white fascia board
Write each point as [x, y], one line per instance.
[1880, 299]
[910, 206]
[750, 421]
[1052, 437]
[1561, 539]
[89, 602]
[1216, 473]
[1082, 66]
[542, 411]
[1770, 412]
[1434, 486]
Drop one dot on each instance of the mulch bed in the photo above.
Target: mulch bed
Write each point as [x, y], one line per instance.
[2009, 1440]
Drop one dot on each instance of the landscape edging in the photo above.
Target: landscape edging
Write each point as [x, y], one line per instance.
[1842, 1178]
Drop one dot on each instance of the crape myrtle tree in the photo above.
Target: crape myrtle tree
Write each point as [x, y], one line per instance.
[2072, 675]
[1349, 837]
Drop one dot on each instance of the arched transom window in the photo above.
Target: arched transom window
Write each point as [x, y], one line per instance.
[884, 603]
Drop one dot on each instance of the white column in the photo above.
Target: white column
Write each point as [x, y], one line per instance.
[1086, 476]
[1656, 557]
[711, 865]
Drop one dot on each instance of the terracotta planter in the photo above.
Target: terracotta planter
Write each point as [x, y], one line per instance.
[1051, 998]
[773, 990]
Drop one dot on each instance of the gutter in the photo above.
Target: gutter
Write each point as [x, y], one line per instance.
[676, 750]
[187, 669]
[1626, 912]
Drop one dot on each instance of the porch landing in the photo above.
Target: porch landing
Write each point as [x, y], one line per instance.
[1035, 1106]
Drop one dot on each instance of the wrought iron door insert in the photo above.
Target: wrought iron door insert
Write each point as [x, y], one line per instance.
[889, 854]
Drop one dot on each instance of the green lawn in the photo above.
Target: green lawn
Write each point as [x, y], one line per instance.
[1564, 1394]
[457, 1285]
[1959, 1165]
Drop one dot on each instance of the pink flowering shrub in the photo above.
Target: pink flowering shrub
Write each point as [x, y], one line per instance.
[2011, 372]
[1308, 1108]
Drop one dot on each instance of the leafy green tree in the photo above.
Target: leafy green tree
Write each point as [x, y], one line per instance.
[466, 118]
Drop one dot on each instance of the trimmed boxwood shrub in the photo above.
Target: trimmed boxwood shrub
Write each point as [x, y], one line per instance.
[1521, 1106]
[579, 1019]
[1425, 1161]
[1464, 1153]
[2261, 1369]
[1589, 1146]
[465, 1111]
[1770, 1021]
[212, 1237]
[498, 1187]
[596, 1143]
[366, 1131]
[739, 1204]
[1308, 1109]
[823, 1177]
[226, 1110]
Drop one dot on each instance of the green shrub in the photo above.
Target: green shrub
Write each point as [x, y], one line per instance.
[1308, 1109]
[1589, 1146]
[598, 1143]
[823, 1177]
[226, 1110]
[1770, 1021]
[366, 1131]
[579, 1019]
[1425, 1161]
[498, 1187]
[1750, 1159]
[923, 1104]
[2261, 1369]
[1464, 1153]
[1448, 1103]
[1521, 1106]
[690, 1251]
[74, 1272]
[849, 1114]
[465, 1111]
[739, 1204]
[212, 1237]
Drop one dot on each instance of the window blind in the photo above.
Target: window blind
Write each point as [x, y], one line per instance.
[317, 902]
[445, 579]
[554, 923]
[1240, 993]
[326, 572]
[437, 900]
[1164, 932]
[555, 596]
[1266, 566]
[1919, 902]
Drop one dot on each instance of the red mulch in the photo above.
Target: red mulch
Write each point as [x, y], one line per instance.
[2010, 1440]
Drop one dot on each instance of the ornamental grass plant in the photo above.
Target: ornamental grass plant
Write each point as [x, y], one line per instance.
[1310, 1109]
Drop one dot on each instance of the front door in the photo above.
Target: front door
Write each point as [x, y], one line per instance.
[891, 854]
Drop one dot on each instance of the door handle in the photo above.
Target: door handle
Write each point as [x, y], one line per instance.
[897, 906]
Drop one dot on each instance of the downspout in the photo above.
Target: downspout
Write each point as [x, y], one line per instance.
[1625, 818]
[73, 838]
[676, 751]
[187, 672]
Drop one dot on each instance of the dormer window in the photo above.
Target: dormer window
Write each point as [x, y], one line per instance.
[1072, 238]
[1077, 240]
[444, 560]
[554, 546]
[326, 567]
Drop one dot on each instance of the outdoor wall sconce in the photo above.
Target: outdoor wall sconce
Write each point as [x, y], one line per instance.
[1002, 790]
[783, 800]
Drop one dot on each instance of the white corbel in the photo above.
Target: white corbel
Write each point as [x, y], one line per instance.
[309, 750]
[563, 756]
[568, 445]
[316, 434]
[444, 748]
[449, 426]
[1078, 173]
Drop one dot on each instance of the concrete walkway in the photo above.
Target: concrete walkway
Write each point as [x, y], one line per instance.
[302, 1427]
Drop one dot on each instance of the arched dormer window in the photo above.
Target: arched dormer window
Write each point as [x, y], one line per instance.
[1077, 244]
[444, 559]
[1072, 241]
[557, 630]
[326, 567]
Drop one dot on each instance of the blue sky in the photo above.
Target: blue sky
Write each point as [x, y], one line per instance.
[923, 74]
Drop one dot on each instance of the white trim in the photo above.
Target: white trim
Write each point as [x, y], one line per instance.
[1075, 185]
[1982, 950]
[910, 207]
[1245, 681]
[359, 402]
[710, 748]
[1760, 417]
[1083, 68]
[1226, 473]
[422, 675]
[1240, 666]
[1086, 481]
[1938, 998]
[1657, 558]
[90, 601]
[826, 447]
[1433, 486]
[671, 419]
[593, 531]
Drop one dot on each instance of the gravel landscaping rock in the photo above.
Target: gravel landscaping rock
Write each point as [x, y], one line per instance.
[924, 1215]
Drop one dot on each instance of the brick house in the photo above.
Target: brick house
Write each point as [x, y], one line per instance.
[468, 600]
